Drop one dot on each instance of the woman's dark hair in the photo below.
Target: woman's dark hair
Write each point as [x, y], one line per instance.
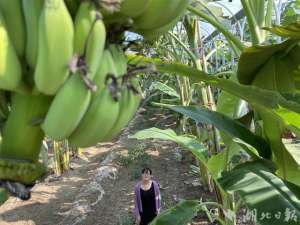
[147, 169]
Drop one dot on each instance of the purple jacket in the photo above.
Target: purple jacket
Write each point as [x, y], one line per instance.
[138, 201]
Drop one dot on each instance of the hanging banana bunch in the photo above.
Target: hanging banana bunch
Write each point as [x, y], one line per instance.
[64, 74]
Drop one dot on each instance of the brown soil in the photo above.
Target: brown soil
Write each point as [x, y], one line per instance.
[99, 189]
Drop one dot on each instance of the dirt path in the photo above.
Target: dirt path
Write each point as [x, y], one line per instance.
[99, 190]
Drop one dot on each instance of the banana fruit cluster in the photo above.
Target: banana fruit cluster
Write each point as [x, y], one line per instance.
[152, 18]
[64, 73]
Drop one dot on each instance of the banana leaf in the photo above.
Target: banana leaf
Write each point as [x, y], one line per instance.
[164, 88]
[271, 101]
[229, 105]
[224, 123]
[253, 58]
[218, 163]
[188, 142]
[180, 214]
[277, 75]
[269, 199]
[291, 31]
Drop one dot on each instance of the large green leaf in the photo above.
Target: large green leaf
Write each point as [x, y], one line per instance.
[229, 105]
[180, 214]
[217, 163]
[277, 75]
[253, 58]
[271, 100]
[264, 193]
[248, 148]
[164, 88]
[224, 123]
[288, 166]
[189, 143]
[290, 31]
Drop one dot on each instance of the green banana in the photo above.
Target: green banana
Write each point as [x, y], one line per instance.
[98, 120]
[90, 36]
[152, 34]
[133, 8]
[128, 101]
[106, 66]
[160, 13]
[13, 15]
[102, 112]
[67, 109]
[114, 115]
[86, 21]
[32, 11]
[22, 137]
[10, 67]
[128, 105]
[55, 41]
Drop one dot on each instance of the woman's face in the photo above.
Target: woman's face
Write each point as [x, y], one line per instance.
[146, 176]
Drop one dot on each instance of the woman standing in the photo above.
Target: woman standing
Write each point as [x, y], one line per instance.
[147, 199]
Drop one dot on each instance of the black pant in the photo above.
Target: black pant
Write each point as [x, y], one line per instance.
[147, 218]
